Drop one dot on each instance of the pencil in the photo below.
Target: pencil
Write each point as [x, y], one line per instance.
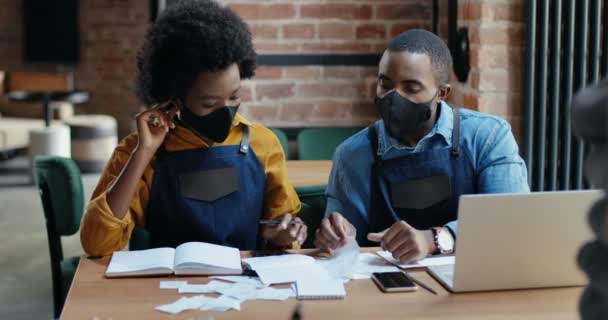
[277, 222]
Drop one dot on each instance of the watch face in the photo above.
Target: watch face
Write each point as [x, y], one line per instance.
[445, 241]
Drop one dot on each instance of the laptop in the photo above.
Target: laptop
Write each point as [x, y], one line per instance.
[517, 241]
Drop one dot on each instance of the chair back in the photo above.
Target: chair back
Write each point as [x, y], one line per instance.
[321, 143]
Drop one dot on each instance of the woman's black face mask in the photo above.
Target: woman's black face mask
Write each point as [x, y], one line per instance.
[215, 126]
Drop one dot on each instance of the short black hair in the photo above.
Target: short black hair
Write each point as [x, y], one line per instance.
[426, 42]
[190, 37]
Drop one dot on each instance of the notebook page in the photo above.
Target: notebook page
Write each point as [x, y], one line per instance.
[209, 255]
[139, 261]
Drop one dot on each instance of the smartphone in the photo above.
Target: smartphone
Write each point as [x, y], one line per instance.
[393, 282]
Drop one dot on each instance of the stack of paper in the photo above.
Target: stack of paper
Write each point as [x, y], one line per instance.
[314, 280]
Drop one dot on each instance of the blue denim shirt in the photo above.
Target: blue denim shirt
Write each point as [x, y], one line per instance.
[487, 140]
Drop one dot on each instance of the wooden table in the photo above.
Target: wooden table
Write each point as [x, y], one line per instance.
[94, 297]
[308, 173]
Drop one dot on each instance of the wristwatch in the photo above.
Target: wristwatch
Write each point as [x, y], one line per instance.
[444, 241]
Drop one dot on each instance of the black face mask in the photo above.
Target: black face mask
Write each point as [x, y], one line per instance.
[215, 126]
[402, 116]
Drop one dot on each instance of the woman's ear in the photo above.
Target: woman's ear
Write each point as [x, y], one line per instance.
[444, 92]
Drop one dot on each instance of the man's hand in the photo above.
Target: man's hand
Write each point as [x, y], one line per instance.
[284, 234]
[406, 243]
[334, 232]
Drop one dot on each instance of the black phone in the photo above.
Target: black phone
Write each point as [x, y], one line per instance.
[393, 281]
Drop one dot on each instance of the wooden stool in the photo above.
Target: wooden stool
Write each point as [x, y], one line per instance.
[93, 140]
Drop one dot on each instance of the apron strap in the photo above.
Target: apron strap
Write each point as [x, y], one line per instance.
[456, 133]
[378, 218]
[373, 139]
[245, 141]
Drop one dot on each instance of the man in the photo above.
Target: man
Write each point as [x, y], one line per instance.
[397, 182]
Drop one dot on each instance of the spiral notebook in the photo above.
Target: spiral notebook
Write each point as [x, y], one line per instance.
[320, 289]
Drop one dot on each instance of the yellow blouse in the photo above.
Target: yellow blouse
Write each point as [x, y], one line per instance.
[102, 233]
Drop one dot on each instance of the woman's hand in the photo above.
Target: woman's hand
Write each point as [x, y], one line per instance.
[153, 126]
[285, 233]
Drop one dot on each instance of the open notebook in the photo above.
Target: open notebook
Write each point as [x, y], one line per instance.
[192, 258]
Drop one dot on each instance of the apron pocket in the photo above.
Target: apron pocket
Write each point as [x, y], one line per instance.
[209, 185]
[421, 193]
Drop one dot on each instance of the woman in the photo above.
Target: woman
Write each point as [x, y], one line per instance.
[195, 170]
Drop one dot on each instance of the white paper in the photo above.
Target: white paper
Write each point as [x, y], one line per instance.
[239, 291]
[369, 263]
[221, 304]
[342, 264]
[241, 279]
[201, 302]
[432, 261]
[361, 276]
[172, 284]
[292, 274]
[281, 261]
[210, 287]
[270, 293]
[183, 304]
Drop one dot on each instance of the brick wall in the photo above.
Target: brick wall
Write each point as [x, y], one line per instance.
[322, 95]
[311, 95]
[111, 33]
[497, 40]
[113, 30]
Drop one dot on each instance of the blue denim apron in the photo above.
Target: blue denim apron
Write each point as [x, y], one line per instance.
[421, 188]
[212, 195]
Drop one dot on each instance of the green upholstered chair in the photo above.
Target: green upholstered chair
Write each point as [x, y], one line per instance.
[283, 140]
[321, 143]
[60, 186]
[313, 209]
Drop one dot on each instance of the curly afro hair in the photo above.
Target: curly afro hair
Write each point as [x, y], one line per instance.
[190, 37]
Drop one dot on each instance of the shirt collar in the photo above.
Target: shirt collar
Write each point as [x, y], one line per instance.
[238, 119]
[442, 127]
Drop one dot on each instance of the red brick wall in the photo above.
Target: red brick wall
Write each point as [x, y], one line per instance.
[322, 95]
[111, 33]
[113, 30]
[497, 41]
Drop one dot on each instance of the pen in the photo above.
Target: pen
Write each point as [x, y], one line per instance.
[277, 222]
[420, 283]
